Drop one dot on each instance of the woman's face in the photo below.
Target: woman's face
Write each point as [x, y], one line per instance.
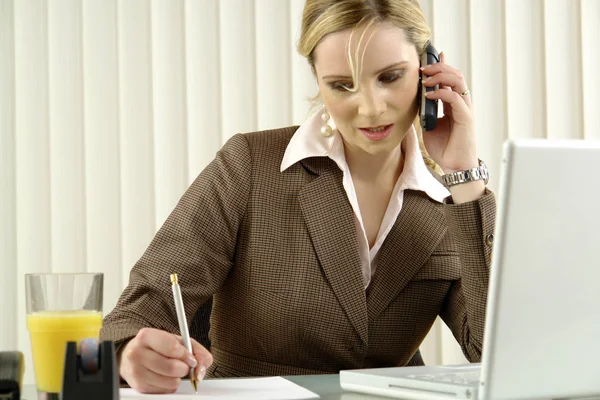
[375, 118]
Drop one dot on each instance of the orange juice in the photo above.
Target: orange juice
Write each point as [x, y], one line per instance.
[49, 332]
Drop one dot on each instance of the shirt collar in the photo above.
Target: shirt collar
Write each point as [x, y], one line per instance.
[308, 141]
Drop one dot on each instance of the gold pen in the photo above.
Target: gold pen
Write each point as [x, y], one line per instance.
[183, 327]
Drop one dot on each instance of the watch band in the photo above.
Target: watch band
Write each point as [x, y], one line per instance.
[468, 175]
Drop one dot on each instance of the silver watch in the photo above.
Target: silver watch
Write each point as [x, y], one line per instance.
[468, 175]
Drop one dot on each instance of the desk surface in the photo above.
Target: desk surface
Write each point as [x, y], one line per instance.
[326, 386]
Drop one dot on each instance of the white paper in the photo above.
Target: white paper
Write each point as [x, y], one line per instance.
[272, 388]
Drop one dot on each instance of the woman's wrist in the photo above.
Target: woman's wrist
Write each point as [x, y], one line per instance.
[468, 191]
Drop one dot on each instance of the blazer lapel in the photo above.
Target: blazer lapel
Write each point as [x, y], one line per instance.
[417, 231]
[330, 221]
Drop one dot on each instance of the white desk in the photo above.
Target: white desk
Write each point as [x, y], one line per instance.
[326, 386]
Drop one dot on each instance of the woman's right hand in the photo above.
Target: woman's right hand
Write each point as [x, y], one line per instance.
[154, 361]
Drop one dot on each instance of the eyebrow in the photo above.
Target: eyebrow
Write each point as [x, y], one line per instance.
[394, 65]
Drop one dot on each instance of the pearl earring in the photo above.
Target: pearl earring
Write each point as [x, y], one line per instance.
[326, 129]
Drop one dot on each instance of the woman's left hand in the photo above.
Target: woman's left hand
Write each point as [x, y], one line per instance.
[452, 144]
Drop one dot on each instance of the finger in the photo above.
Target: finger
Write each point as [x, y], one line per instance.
[436, 68]
[432, 72]
[460, 109]
[444, 86]
[205, 359]
[450, 81]
[456, 83]
[202, 353]
[169, 367]
[166, 344]
[145, 381]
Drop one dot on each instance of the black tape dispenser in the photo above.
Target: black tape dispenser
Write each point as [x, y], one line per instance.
[92, 373]
[11, 374]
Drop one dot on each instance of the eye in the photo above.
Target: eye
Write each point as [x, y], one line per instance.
[341, 86]
[389, 77]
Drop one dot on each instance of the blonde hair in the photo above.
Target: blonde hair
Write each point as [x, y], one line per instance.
[323, 17]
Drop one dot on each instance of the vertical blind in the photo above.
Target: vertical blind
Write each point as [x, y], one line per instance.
[109, 108]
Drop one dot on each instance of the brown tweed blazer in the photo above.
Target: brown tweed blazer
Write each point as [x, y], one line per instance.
[279, 255]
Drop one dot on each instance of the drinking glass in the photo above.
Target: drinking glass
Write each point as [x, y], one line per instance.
[61, 308]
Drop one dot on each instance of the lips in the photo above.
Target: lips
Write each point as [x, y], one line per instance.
[376, 133]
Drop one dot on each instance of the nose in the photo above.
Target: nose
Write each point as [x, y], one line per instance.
[371, 103]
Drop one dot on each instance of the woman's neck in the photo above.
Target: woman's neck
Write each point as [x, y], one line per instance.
[380, 168]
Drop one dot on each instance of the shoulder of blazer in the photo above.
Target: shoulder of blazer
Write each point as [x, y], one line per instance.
[272, 140]
[268, 147]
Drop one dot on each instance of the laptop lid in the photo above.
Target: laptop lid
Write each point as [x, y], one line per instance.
[542, 331]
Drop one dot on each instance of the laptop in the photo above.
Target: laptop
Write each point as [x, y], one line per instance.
[542, 327]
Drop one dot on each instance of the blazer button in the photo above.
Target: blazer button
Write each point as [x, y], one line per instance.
[489, 240]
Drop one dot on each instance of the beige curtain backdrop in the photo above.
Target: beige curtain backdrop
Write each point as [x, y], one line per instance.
[109, 108]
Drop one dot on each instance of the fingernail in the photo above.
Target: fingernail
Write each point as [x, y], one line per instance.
[191, 361]
[201, 372]
[422, 68]
[429, 94]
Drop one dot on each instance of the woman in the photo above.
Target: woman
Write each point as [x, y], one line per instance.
[330, 246]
